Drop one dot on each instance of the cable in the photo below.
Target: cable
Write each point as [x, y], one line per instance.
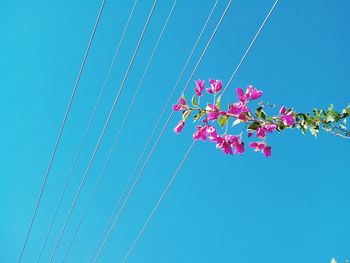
[190, 148]
[250, 45]
[120, 129]
[154, 129]
[62, 128]
[104, 129]
[159, 201]
[92, 116]
[161, 133]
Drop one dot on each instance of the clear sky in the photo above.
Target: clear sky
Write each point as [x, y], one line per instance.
[293, 207]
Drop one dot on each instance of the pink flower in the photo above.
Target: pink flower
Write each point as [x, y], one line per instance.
[199, 87]
[215, 86]
[176, 107]
[212, 134]
[283, 110]
[241, 96]
[258, 146]
[270, 127]
[213, 113]
[252, 93]
[261, 146]
[179, 127]
[225, 144]
[267, 151]
[228, 142]
[237, 108]
[180, 105]
[239, 148]
[201, 133]
[182, 101]
[287, 117]
[260, 132]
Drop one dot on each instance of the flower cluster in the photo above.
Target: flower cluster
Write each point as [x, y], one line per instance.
[256, 123]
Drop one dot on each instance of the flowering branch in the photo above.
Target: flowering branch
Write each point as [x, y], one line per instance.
[256, 122]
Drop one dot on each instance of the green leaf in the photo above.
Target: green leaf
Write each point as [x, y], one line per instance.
[260, 113]
[281, 126]
[222, 121]
[236, 121]
[193, 101]
[254, 125]
[217, 104]
[185, 114]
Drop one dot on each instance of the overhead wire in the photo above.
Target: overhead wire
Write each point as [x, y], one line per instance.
[192, 144]
[104, 128]
[92, 195]
[155, 128]
[86, 132]
[159, 201]
[250, 46]
[61, 129]
[160, 135]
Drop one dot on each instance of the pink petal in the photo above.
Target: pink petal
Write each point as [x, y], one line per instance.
[267, 151]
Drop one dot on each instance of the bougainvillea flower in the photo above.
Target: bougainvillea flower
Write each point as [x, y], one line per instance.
[212, 133]
[225, 144]
[182, 101]
[179, 127]
[261, 146]
[176, 107]
[260, 133]
[258, 146]
[288, 119]
[283, 110]
[270, 127]
[236, 108]
[199, 87]
[213, 112]
[241, 96]
[180, 105]
[239, 148]
[267, 151]
[287, 116]
[215, 86]
[201, 133]
[253, 93]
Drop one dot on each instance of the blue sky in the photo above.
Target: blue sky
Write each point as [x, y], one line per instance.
[293, 207]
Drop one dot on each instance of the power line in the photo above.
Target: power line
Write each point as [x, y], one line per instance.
[154, 130]
[62, 128]
[92, 116]
[161, 133]
[104, 128]
[190, 148]
[250, 45]
[159, 201]
[120, 129]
